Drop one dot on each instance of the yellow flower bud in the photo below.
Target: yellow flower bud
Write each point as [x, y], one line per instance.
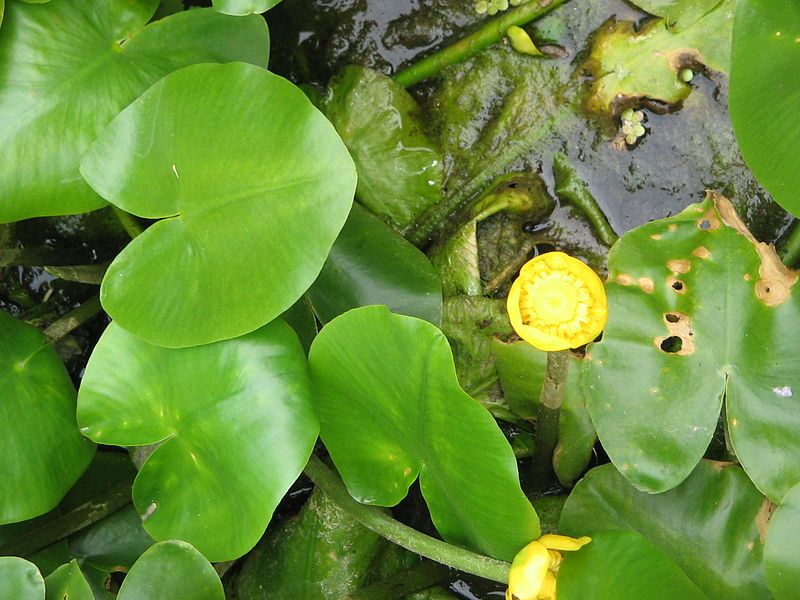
[557, 302]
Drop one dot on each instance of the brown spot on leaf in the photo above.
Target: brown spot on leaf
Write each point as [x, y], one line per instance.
[655, 236]
[679, 265]
[701, 252]
[747, 277]
[775, 281]
[672, 227]
[709, 220]
[718, 465]
[676, 284]
[647, 285]
[763, 518]
[679, 339]
[624, 279]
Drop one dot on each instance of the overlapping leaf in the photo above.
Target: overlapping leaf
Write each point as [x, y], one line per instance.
[713, 525]
[255, 193]
[765, 94]
[236, 424]
[698, 311]
[43, 453]
[68, 67]
[391, 410]
[243, 7]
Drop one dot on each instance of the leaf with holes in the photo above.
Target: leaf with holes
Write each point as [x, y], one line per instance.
[716, 512]
[251, 192]
[172, 569]
[235, 421]
[43, 453]
[698, 311]
[391, 410]
[68, 67]
[766, 51]
[630, 65]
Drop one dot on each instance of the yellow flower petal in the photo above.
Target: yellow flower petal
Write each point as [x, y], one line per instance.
[557, 302]
[528, 572]
[563, 543]
[548, 591]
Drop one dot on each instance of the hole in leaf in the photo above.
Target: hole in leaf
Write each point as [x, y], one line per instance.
[672, 344]
[672, 318]
[677, 285]
[705, 224]
[513, 185]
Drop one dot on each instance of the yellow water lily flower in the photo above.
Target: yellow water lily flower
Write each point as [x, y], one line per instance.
[533, 572]
[557, 302]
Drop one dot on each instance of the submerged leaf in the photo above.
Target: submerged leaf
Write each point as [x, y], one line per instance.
[43, 451]
[629, 65]
[252, 197]
[69, 66]
[677, 14]
[715, 513]
[399, 166]
[391, 410]
[236, 423]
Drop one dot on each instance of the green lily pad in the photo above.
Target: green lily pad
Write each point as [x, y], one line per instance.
[68, 583]
[243, 7]
[172, 569]
[698, 311]
[371, 264]
[764, 96]
[391, 410]
[399, 166]
[70, 66]
[20, 579]
[235, 422]
[623, 564]
[713, 525]
[255, 192]
[677, 14]
[630, 65]
[781, 563]
[43, 451]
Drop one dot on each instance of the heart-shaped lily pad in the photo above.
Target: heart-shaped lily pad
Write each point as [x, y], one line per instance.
[172, 569]
[698, 311]
[235, 421]
[256, 192]
[391, 410]
[68, 67]
[43, 453]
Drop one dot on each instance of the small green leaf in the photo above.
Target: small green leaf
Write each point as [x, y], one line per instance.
[236, 424]
[68, 583]
[371, 264]
[20, 580]
[69, 66]
[630, 65]
[43, 451]
[623, 564]
[698, 310]
[576, 433]
[521, 368]
[391, 410]
[254, 192]
[399, 166]
[243, 7]
[765, 95]
[781, 561]
[715, 513]
[174, 570]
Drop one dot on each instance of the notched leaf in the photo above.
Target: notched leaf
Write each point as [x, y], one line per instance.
[775, 280]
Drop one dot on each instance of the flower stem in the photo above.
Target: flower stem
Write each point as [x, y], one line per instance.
[403, 535]
[129, 223]
[492, 32]
[72, 522]
[73, 319]
[555, 383]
